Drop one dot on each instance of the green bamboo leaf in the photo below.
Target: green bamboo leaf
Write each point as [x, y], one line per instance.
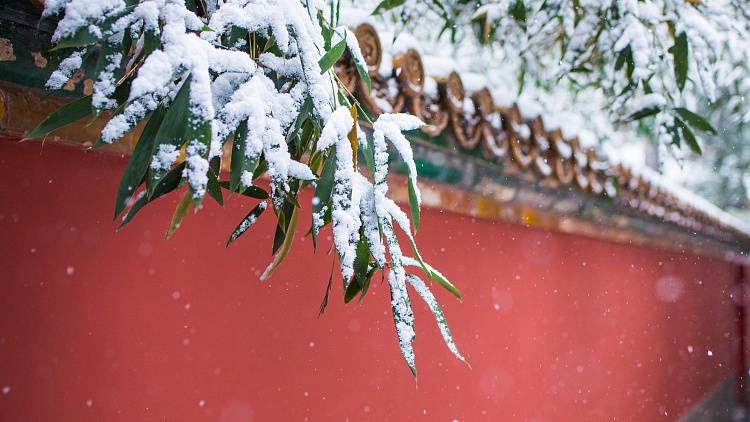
[172, 130]
[214, 188]
[137, 206]
[284, 250]
[689, 137]
[81, 38]
[332, 56]
[414, 205]
[247, 222]
[679, 53]
[696, 121]
[240, 162]
[387, 5]
[139, 161]
[169, 182]
[433, 275]
[251, 191]
[361, 263]
[199, 135]
[179, 213]
[352, 289]
[64, 116]
[646, 112]
[322, 196]
[518, 11]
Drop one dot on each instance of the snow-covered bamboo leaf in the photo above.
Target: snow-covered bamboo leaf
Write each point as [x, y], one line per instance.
[241, 165]
[679, 53]
[403, 318]
[65, 115]
[696, 121]
[138, 164]
[179, 213]
[322, 196]
[247, 222]
[332, 56]
[170, 136]
[197, 153]
[432, 303]
[81, 38]
[433, 275]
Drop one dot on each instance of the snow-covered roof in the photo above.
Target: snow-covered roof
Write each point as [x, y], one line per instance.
[458, 105]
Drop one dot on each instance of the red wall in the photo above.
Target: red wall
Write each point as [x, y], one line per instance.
[104, 326]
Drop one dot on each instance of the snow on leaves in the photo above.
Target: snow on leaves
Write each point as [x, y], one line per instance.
[248, 72]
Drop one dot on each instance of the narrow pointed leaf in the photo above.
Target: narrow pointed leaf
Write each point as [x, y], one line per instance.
[387, 5]
[139, 161]
[214, 188]
[332, 56]
[696, 121]
[689, 137]
[679, 53]
[64, 116]
[251, 191]
[414, 205]
[134, 209]
[247, 222]
[432, 303]
[179, 213]
[172, 130]
[284, 250]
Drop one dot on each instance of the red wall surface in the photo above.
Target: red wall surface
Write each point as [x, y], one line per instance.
[103, 326]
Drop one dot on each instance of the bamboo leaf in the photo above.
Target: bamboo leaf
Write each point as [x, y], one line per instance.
[240, 163]
[247, 222]
[284, 250]
[414, 205]
[432, 303]
[696, 121]
[322, 196]
[169, 182]
[352, 136]
[81, 38]
[139, 161]
[679, 53]
[689, 137]
[332, 56]
[646, 112]
[403, 319]
[324, 303]
[251, 191]
[213, 187]
[172, 130]
[137, 206]
[64, 116]
[387, 5]
[179, 213]
[433, 275]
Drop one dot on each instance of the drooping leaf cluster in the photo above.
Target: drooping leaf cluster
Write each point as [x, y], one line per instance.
[250, 82]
